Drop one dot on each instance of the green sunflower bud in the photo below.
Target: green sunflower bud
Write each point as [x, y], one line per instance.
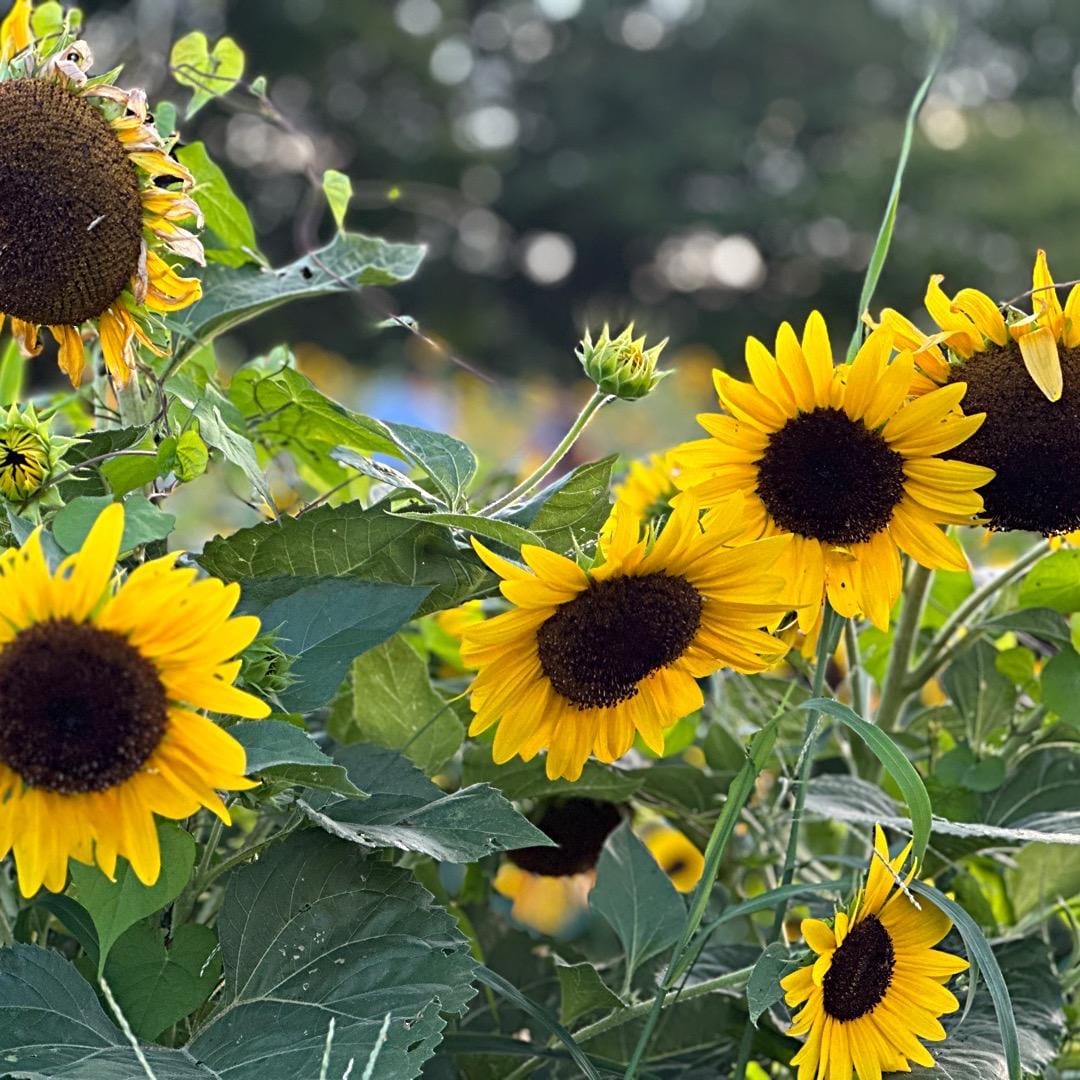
[29, 453]
[621, 366]
[264, 669]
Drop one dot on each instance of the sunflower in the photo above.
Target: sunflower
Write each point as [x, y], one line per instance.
[92, 206]
[839, 459]
[646, 491]
[675, 853]
[99, 683]
[586, 657]
[550, 886]
[878, 984]
[1024, 373]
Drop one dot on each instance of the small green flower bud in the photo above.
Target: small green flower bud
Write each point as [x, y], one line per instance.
[621, 366]
[29, 453]
[264, 669]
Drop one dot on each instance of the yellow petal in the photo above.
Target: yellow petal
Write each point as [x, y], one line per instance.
[1040, 352]
[15, 32]
[72, 356]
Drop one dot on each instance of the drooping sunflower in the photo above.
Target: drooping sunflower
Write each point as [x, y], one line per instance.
[550, 886]
[588, 657]
[1023, 372]
[839, 459]
[878, 985]
[92, 206]
[99, 686]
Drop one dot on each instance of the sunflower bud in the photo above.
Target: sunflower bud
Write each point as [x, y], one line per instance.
[29, 453]
[621, 366]
[264, 669]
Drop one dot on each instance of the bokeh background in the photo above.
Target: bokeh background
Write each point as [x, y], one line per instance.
[705, 167]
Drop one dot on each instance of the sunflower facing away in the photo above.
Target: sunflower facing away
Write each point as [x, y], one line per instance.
[92, 206]
[878, 984]
[99, 687]
[550, 886]
[1024, 373]
[841, 460]
[586, 658]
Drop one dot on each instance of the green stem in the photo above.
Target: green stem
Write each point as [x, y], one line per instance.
[855, 672]
[591, 408]
[894, 690]
[936, 651]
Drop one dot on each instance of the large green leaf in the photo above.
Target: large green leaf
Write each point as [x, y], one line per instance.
[407, 811]
[324, 626]
[355, 542]
[581, 991]
[156, 986]
[143, 521]
[570, 512]
[1054, 582]
[314, 933]
[391, 702]
[233, 296]
[226, 216]
[636, 898]
[116, 905]
[283, 753]
[52, 1025]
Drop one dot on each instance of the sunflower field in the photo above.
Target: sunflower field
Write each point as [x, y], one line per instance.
[754, 756]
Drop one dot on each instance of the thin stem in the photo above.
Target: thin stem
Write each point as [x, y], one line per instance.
[894, 690]
[856, 675]
[592, 407]
[936, 651]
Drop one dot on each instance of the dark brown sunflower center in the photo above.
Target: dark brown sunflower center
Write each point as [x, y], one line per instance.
[861, 971]
[1033, 444]
[70, 210]
[599, 646]
[80, 708]
[579, 827]
[830, 478]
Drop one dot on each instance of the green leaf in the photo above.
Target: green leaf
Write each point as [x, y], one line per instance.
[226, 216]
[312, 932]
[519, 779]
[1053, 582]
[156, 986]
[337, 188]
[355, 542]
[143, 521]
[570, 512]
[408, 812]
[636, 898]
[52, 1025]
[210, 73]
[191, 455]
[395, 705]
[281, 752]
[91, 445]
[116, 905]
[325, 625]
[234, 296]
[131, 471]
[12, 373]
[1043, 623]
[896, 764]
[47, 19]
[1061, 684]
[982, 957]
[582, 991]
[448, 461]
[763, 987]
[1042, 875]
[205, 406]
[76, 919]
[982, 695]
[502, 532]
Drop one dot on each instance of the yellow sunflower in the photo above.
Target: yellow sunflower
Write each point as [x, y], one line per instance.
[841, 460]
[1023, 371]
[878, 984]
[99, 686]
[646, 491]
[677, 855]
[92, 206]
[586, 657]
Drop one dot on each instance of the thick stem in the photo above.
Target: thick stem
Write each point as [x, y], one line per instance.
[894, 691]
[591, 408]
[856, 675]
